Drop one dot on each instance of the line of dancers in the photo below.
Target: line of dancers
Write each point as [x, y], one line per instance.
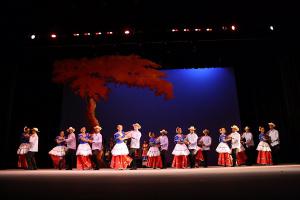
[190, 150]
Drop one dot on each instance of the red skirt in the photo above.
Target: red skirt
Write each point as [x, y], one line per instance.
[241, 158]
[180, 162]
[154, 162]
[84, 162]
[199, 155]
[225, 159]
[56, 160]
[120, 162]
[22, 162]
[264, 158]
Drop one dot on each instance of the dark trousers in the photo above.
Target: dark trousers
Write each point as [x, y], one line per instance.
[163, 154]
[205, 157]
[233, 154]
[132, 155]
[192, 158]
[275, 154]
[70, 158]
[31, 162]
[250, 152]
[95, 158]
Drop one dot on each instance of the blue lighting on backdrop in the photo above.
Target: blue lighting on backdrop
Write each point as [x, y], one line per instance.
[204, 98]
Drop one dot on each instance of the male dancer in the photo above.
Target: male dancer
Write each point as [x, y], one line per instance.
[71, 148]
[135, 136]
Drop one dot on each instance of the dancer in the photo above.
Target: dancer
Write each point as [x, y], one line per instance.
[145, 148]
[154, 159]
[58, 153]
[84, 150]
[205, 143]
[235, 143]
[120, 159]
[71, 148]
[164, 144]
[224, 158]
[23, 148]
[192, 139]
[96, 147]
[274, 142]
[264, 156]
[34, 148]
[180, 151]
[199, 156]
[135, 136]
[248, 142]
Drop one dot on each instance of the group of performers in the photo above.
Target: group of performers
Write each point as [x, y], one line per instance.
[190, 150]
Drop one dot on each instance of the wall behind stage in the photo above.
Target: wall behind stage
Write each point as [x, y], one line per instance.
[204, 98]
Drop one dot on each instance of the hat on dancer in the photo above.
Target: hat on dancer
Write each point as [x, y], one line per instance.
[192, 128]
[271, 124]
[71, 128]
[98, 127]
[235, 127]
[137, 125]
[164, 131]
[35, 129]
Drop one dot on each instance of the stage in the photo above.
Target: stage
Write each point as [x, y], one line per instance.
[213, 182]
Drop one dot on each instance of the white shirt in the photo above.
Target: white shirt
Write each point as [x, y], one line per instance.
[135, 139]
[164, 142]
[249, 139]
[274, 135]
[235, 140]
[71, 141]
[34, 143]
[192, 138]
[97, 141]
[206, 141]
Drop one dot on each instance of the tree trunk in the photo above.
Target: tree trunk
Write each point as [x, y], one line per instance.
[91, 115]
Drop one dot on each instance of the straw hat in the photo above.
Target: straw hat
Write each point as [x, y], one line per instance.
[247, 128]
[271, 124]
[235, 127]
[164, 131]
[137, 125]
[192, 128]
[71, 128]
[98, 127]
[35, 129]
[206, 131]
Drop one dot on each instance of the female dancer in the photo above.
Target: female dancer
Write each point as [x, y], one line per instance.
[23, 148]
[84, 150]
[223, 150]
[58, 153]
[264, 156]
[180, 151]
[241, 157]
[154, 159]
[120, 159]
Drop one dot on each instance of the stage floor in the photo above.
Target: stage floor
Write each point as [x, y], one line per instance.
[213, 182]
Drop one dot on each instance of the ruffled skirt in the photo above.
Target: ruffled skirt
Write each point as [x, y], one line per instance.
[58, 151]
[119, 149]
[223, 148]
[180, 150]
[154, 162]
[263, 146]
[84, 150]
[23, 148]
[153, 151]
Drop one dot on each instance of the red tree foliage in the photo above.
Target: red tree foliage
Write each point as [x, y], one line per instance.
[89, 77]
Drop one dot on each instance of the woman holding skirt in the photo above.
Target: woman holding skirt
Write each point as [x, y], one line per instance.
[224, 158]
[84, 151]
[23, 148]
[264, 156]
[154, 159]
[120, 159]
[58, 153]
[241, 157]
[180, 151]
